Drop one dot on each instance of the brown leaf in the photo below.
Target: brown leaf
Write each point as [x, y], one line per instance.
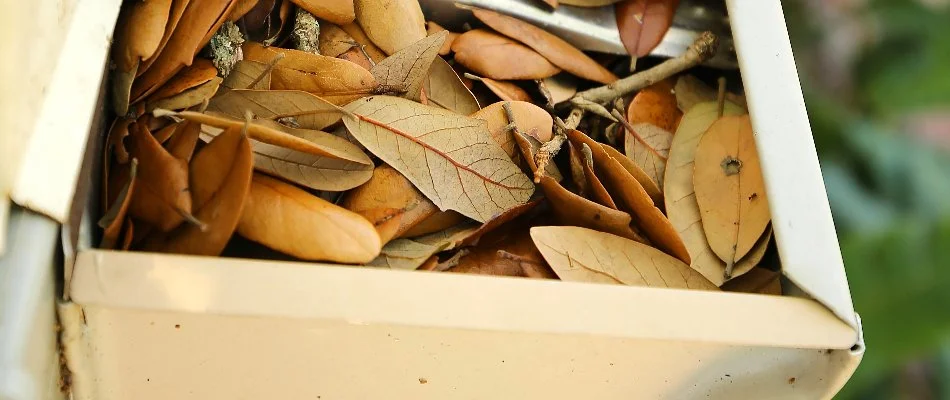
[391, 24]
[138, 35]
[163, 134]
[505, 253]
[579, 254]
[528, 148]
[529, 118]
[500, 220]
[445, 89]
[175, 13]
[410, 254]
[598, 191]
[198, 20]
[578, 174]
[390, 202]
[645, 181]
[162, 197]
[335, 80]
[436, 222]
[358, 57]
[730, 190]
[574, 210]
[553, 48]
[241, 8]
[198, 73]
[182, 143]
[429, 265]
[268, 21]
[462, 168]
[220, 175]
[245, 73]
[656, 104]
[691, 91]
[310, 111]
[334, 40]
[498, 57]
[758, 280]
[680, 196]
[189, 98]
[561, 87]
[335, 11]
[506, 91]
[589, 3]
[406, 70]
[433, 28]
[112, 221]
[359, 35]
[643, 23]
[552, 3]
[649, 146]
[292, 221]
[632, 198]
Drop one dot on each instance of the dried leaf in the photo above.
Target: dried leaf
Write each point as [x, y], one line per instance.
[491, 225]
[241, 8]
[430, 264]
[579, 254]
[691, 91]
[268, 21]
[680, 196]
[391, 24]
[200, 19]
[334, 40]
[175, 13]
[656, 105]
[335, 80]
[598, 191]
[245, 73]
[138, 35]
[758, 280]
[409, 254]
[643, 23]
[310, 112]
[390, 202]
[182, 143]
[358, 57]
[553, 48]
[165, 133]
[406, 70]
[198, 73]
[528, 148]
[112, 221]
[552, 3]
[578, 174]
[445, 89]
[498, 57]
[436, 222]
[433, 28]
[529, 118]
[589, 3]
[189, 98]
[506, 91]
[335, 11]
[162, 196]
[462, 168]
[574, 210]
[645, 181]
[649, 146]
[505, 253]
[221, 177]
[561, 87]
[632, 198]
[292, 221]
[730, 190]
[359, 35]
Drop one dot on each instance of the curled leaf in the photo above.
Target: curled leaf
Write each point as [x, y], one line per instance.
[656, 105]
[498, 57]
[406, 70]
[579, 254]
[138, 34]
[574, 210]
[649, 146]
[506, 91]
[112, 221]
[188, 98]
[162, 197]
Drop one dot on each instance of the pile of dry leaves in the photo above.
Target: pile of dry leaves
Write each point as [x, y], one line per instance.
[347, 131]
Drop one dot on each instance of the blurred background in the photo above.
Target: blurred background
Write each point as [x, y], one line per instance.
[876, 77]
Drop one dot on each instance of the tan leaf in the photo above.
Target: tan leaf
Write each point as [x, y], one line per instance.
[504, 218]
[529, 118]
[200, 19]
[391, 24]
[407, 69]
[310, 111]
[359, 35]
[433, 28]
[561, 87]
[409, 254]
[498, 57]
[450, 158]
[292, 221]
[182, 144]
[335, 11]
[445, 89]
[246, 73]
[643, 23]
[506, 91]
[578, 175]
[189, 98]
[553, 48]
[680, 196]
[175, 13]
[649, 146]
[221, 177]
[645, 181]
[505, 252]
[758, 280]
[430, 264]
[335, 80]
[440, 220]
[358, 57]
[334, 40]
[574, 210]
[598, 191]
[632, 198]
[198, 73]
[162, 197]
[580, 254]
[691, 91]
[390, 202]
[730, 190]
[138, 35]
[242, 7]
[656, 105]
[113, 219]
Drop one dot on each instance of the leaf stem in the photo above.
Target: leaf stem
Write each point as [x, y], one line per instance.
[267, 70]
[721, 97]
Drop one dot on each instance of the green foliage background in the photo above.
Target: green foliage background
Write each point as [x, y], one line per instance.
[889, 191]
